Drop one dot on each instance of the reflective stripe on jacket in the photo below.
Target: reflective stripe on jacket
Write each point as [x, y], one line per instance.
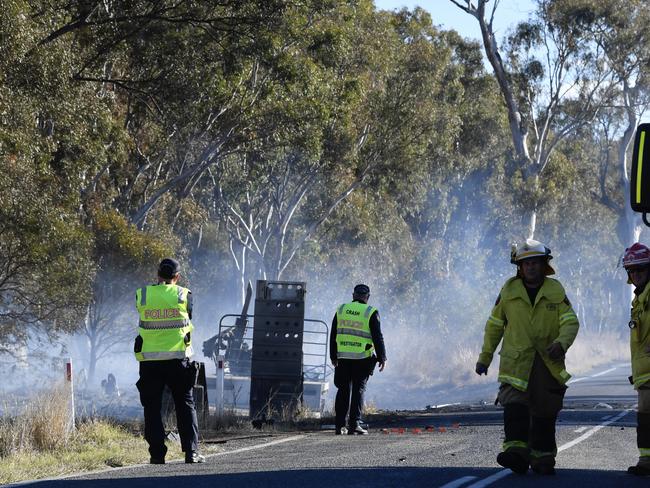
[165, 327]
[640, 338]
[527, 329]
[353, 337]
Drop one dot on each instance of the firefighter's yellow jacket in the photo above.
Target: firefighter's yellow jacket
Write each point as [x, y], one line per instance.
[527, 329]
[640, 337]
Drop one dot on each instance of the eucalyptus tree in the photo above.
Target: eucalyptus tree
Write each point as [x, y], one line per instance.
[189, 78]
[620, 30]
[50, 132]
[374, 106]
[553, 81]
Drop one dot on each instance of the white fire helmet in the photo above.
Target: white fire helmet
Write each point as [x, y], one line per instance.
[531, 248]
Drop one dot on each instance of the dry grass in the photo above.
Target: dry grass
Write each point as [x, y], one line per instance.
[369, 408]
[94, 445]
[35, 444]
[41, 427]
[229, 422]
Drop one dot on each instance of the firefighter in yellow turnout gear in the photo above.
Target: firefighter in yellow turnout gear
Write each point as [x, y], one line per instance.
[537, 324]
[637, 264]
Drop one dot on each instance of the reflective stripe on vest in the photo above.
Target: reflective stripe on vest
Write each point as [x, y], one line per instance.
[165, 327]
[353, 336]
[354, 332]
[164, 324]
[353, 355]
[162, 356]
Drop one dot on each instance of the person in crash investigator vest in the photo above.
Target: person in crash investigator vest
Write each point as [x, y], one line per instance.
[163, 348]
[356, 345]
[538, 325]
[636, 261]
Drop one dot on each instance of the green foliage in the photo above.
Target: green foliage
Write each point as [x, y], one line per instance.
[130, 248]
[293, 139]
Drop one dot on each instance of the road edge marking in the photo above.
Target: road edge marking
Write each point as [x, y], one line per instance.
[593, 430]
[459, 482]
[505, 472]
[121, 468]
[491, 479]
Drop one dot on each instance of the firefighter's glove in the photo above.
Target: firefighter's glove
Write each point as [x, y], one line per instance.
[481, 369]
[555, 351]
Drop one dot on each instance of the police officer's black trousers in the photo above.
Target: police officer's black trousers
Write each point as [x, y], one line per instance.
[178, 376]
[350, 378]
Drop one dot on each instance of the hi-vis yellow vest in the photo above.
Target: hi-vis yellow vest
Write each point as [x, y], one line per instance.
[165, 325]
[353, 337]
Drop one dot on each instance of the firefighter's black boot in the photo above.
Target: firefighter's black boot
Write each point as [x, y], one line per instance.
[515, 453]
[542, 445]
[643, 442]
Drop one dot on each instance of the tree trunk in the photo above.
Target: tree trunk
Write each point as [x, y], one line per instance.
[532, 224]
[242, 275]
[92, 358]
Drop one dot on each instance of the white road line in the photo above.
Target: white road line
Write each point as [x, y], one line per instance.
[602, 373]
[592, 431]
[120, 468]
[256, 446]
[580, 429]
[582, 378]
[491, 479]
[606, 417]
[575, 380]
[459, 482]
[505, 472]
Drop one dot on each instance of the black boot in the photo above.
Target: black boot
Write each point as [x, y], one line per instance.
[639, 470]
[515, 459]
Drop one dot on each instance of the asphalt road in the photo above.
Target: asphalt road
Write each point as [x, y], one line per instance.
[596, 440]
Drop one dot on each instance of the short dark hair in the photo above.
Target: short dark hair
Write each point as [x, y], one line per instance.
[168, 268]
[361, 290]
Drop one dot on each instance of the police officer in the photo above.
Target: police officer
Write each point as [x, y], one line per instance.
[537, 324]
[356, 346]
[637, 264]
[163, 347]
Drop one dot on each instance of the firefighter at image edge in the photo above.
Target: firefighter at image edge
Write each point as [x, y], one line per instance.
[355, 338]
[163, 348]
[636, 262]
[538, 325]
